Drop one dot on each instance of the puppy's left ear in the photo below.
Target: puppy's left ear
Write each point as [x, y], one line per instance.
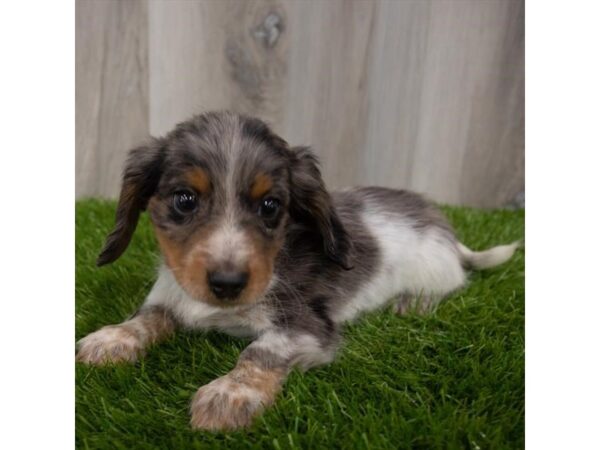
[312, 204]
[140, 178]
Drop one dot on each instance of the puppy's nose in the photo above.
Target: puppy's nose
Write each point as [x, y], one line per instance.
[227, 284]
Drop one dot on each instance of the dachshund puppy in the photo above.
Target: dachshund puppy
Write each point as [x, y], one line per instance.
[254, 245]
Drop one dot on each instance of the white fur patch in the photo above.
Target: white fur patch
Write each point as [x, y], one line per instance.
[302, 350]
[226, 404]
[108, 335]
[413, 262]
[490, 257]
[275, 342]
[225, 386]
[111, 343]
[229, 244]
[241, 321]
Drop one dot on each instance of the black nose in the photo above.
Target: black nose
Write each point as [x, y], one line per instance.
[227, 284]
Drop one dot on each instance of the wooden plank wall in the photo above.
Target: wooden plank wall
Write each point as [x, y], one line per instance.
[111, 91]
[422, 94]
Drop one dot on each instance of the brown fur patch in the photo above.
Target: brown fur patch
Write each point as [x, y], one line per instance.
[262, 184]
[232, 401]
[260, 265]
[155, 323]
[267, 381]
[188, 262]
[171, 251]
[110, 344]
[198, 179]
[126, 341]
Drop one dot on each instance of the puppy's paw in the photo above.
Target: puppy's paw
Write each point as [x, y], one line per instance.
[111, 344]
[226, 404]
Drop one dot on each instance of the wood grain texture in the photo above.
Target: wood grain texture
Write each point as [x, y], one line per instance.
[446, 95]
[326, 103]
[111, 91]
[215, 55]
[421, 94]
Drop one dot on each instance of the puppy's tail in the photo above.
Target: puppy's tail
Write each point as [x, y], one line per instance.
[487, 258]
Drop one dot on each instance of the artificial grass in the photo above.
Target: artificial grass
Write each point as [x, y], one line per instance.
[451, 379]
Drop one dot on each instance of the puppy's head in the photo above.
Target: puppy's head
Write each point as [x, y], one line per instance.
[221, 190]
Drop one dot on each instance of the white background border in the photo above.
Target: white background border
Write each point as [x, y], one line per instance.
[37, 120]
[562, 224]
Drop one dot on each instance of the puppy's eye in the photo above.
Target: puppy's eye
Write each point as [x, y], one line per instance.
[269, 207]
[185, 202]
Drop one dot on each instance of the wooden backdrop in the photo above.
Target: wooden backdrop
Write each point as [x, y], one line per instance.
[423, 94]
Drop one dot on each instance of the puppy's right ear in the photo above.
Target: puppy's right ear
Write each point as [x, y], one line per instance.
[142, 173]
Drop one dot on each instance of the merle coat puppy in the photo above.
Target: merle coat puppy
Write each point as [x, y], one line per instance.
[254, 245]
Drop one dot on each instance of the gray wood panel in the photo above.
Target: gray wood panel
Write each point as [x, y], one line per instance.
[327, 92]
[424, 94]
[446, 96]
[207, 55]
[111, 91]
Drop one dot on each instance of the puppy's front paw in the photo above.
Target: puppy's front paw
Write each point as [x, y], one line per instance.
[111, 344]
[226, 404]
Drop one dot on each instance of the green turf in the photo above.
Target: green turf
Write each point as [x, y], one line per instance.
[452, 379]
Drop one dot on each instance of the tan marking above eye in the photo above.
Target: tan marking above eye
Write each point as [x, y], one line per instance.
[198, 179]
[262, 184]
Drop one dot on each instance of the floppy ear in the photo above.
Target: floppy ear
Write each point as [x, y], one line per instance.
[311, 203]
[140, 178]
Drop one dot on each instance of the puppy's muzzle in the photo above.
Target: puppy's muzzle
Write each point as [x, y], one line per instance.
[227, 285]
